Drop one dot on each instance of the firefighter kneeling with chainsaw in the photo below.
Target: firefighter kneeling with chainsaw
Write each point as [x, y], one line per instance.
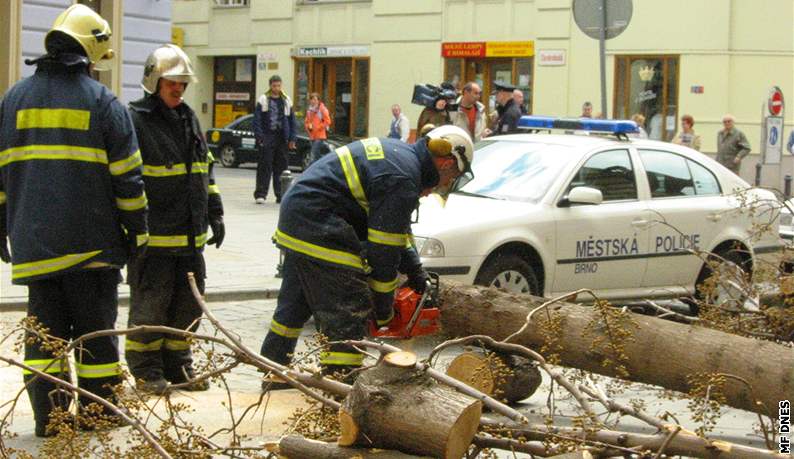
[344, 227]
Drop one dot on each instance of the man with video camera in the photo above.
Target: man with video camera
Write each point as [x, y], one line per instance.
[437, 102]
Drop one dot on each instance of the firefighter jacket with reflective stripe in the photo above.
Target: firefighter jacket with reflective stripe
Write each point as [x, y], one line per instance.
[178, 175]
[70, 173]
[353, 208]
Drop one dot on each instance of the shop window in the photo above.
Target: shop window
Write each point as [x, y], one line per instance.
[454, 73]
[361, 100]
[302, 78]
[648, 85]
[343, 86]
[484, 71]
[234, 87]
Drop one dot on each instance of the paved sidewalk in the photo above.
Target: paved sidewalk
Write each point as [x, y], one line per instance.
[242, 268]
[248, 319]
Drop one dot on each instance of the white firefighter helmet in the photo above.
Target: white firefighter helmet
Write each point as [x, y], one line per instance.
[169, 62]
[462, 146]
[86, 27]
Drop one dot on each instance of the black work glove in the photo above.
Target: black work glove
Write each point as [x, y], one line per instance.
[218, 232]
[384, 308]
[5, 255]
[418, 280]
[135, 247]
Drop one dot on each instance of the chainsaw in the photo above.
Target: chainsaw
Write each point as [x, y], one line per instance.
[415, 314]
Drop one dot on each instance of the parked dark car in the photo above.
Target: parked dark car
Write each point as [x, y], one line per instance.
[235, 144]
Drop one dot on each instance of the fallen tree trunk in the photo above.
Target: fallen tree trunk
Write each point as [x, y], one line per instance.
[657, 351]
[394, 406]
[670, 442]
[506, 377]
[297, 447]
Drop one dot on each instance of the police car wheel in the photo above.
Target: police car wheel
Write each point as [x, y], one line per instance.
[229, 156]
[724, 291]
[510, 273]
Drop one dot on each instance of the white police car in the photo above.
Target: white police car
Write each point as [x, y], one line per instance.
[548, 214]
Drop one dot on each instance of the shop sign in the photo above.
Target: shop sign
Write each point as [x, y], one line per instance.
[332, 51]
[463, 49]
[509, 49]
[233, 96]
[551, 57]
[488, 49]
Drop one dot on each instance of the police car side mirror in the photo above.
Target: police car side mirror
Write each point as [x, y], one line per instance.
[582, 195]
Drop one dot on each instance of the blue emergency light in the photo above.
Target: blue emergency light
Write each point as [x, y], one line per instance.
[618, 127]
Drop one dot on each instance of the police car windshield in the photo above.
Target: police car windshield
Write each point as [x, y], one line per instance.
[514, 170]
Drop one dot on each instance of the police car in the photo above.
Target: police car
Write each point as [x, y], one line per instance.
[548, 214]
[235, 144]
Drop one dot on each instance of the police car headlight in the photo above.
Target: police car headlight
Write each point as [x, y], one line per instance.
[428, 247]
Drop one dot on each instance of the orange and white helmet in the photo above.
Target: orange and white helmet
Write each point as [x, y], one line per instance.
[462, 146]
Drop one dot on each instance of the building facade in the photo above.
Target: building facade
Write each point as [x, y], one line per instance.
[139, 26]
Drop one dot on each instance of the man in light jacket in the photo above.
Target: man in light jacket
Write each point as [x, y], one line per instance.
[470, 114]
[274, 129]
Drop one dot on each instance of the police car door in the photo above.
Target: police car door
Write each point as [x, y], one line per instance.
[245, 131]
[603, 246]
[687, 211]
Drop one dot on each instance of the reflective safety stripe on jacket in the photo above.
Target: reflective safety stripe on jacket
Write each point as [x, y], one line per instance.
[70, 174]
[342, 358]
[177, 169]
[365, 192]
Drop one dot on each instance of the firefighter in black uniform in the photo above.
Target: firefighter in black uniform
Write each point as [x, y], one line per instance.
[183, 201]
[508, 110]
[358, 200]
[72, 204]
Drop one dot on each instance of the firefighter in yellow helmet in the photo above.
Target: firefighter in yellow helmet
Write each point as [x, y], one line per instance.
[72, 205]
[183, 202]
[345, 228]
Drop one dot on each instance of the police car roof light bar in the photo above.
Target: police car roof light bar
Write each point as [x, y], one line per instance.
[617, 127]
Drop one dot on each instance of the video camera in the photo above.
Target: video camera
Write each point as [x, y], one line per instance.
[426, 95]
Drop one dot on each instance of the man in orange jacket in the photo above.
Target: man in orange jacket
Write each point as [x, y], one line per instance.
[317, 122]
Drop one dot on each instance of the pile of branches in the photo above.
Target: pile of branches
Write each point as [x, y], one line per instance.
[399, 407]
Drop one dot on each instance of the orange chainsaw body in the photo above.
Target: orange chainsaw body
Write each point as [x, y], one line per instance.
[407, 322]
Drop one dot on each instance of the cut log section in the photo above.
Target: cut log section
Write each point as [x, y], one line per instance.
[297, 447]
[393, 407]
[659, 352]
[505, 377]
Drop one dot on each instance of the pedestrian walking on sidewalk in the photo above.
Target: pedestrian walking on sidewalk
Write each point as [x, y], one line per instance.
[183, 201]
[732, 145]
[274, 129]
[367, 190]
[687, 135]
[317, 122]
[72, 205]
[399, 128]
